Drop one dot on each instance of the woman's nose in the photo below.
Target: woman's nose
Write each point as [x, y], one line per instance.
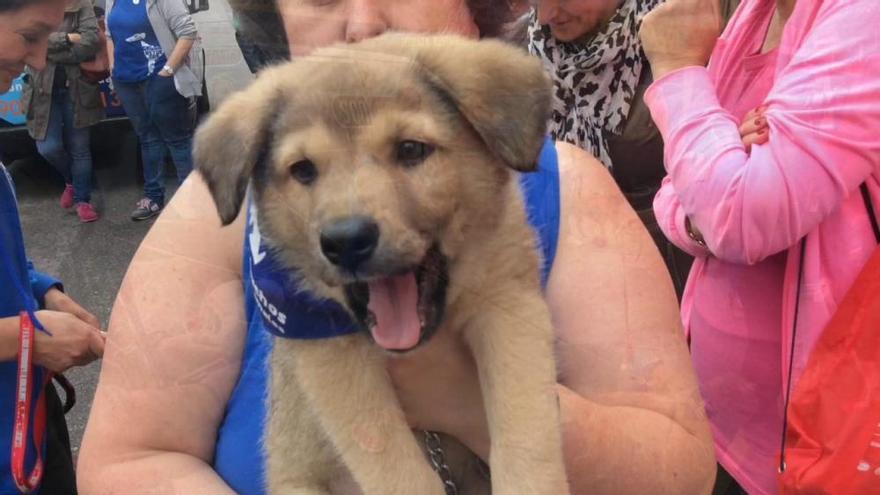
[366, 19]
[36, 56]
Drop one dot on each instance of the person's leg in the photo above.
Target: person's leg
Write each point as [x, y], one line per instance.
[174, 117]
[52, 147]
[77, 142]
[134, 101]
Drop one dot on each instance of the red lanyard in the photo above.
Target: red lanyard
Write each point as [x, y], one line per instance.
[24, 392]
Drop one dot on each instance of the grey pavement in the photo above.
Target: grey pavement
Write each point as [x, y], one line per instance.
[91, 259]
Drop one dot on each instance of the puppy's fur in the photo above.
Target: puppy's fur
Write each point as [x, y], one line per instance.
[481, 107]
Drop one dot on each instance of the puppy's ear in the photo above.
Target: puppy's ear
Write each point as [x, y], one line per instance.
[500, 89]
[233, 139]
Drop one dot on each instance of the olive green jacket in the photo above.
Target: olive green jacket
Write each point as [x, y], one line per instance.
[88, 108]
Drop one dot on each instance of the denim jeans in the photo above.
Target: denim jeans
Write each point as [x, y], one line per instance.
[162, 119]
[67, 148]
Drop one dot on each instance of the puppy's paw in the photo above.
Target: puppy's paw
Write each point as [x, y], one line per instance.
[288, 490]
[529, 487]
[410, 478]
[529, 479]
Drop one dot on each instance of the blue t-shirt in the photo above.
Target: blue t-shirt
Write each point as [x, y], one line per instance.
[137, 55]
[238, 456]
[21, 288]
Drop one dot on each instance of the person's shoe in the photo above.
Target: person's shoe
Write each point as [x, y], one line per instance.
[67, 196]
[86, 212]
[146, 208]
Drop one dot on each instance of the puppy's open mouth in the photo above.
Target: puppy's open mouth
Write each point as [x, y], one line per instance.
[402, 310]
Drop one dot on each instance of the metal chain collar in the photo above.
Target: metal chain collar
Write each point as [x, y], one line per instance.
[438, 461]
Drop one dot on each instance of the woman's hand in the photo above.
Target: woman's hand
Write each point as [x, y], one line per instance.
[76, 338]
[74, 37]
[438, 390]
[59, 301]
[754, 128]
[73, 341]
[680, 33]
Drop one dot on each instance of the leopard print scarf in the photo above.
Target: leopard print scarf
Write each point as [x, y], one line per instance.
[594, 79]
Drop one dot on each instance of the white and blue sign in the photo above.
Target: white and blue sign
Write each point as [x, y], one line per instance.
[11, 106]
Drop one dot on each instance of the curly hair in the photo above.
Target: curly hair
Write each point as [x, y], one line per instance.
[260, 21]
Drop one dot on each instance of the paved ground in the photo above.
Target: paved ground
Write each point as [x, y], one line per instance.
[91, 259]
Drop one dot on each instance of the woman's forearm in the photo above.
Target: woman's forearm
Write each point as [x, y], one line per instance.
[671, 219]
[110, 53]
[621, 450]
[181, 50]
[154, 473]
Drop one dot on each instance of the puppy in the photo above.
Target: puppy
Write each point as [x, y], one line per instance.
[381, 174]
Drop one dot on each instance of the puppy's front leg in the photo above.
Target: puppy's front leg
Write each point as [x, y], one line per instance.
[351, 395]
[513, 350]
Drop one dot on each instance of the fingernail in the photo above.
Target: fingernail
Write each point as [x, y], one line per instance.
[762, 130]
[760, 121]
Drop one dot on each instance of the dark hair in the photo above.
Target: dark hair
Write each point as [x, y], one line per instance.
[13, 5]
[260, 22]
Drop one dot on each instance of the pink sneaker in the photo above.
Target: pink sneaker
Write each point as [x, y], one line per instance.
[86, 212]
[67, 196]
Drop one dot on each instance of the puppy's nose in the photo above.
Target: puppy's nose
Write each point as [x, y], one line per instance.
[349, 242]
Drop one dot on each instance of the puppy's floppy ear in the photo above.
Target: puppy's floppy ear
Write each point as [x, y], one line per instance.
[500, 89]
[229, 144]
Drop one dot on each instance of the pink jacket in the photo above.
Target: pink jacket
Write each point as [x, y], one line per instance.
[824, 117]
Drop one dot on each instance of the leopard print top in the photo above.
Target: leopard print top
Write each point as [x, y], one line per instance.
[594, 79]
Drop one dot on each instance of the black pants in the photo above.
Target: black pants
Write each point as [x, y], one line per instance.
[726, 485]
[59, 477]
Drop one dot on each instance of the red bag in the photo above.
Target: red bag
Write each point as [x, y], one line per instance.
[98, 68]
[832, 444]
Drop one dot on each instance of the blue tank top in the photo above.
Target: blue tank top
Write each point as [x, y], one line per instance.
[137, 54]
[238, 456]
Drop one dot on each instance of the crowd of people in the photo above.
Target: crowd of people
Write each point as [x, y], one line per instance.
[153, 60]
[721, 151]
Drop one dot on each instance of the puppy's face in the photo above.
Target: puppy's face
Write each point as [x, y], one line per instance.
[364, 174]
[370, 167]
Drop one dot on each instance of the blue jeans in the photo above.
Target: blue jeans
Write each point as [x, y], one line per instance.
[67, 148]
[162, 119]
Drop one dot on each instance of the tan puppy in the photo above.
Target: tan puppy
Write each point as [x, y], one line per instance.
[381, 173]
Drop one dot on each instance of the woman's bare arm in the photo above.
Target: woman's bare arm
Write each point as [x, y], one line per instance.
[632, 413]
[172, 359]
[180, 52]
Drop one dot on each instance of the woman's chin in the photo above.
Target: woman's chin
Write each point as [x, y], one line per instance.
[5, 82]
[565, 34]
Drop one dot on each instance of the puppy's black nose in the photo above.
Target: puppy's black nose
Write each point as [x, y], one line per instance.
[349, 242]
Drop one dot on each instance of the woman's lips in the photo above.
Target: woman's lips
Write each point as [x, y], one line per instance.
[12, 72]
[559, 25]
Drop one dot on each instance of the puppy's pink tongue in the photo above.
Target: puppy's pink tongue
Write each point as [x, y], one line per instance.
[394, 302]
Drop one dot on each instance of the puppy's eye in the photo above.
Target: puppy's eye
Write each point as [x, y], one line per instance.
[304, 172]
[411, 153]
